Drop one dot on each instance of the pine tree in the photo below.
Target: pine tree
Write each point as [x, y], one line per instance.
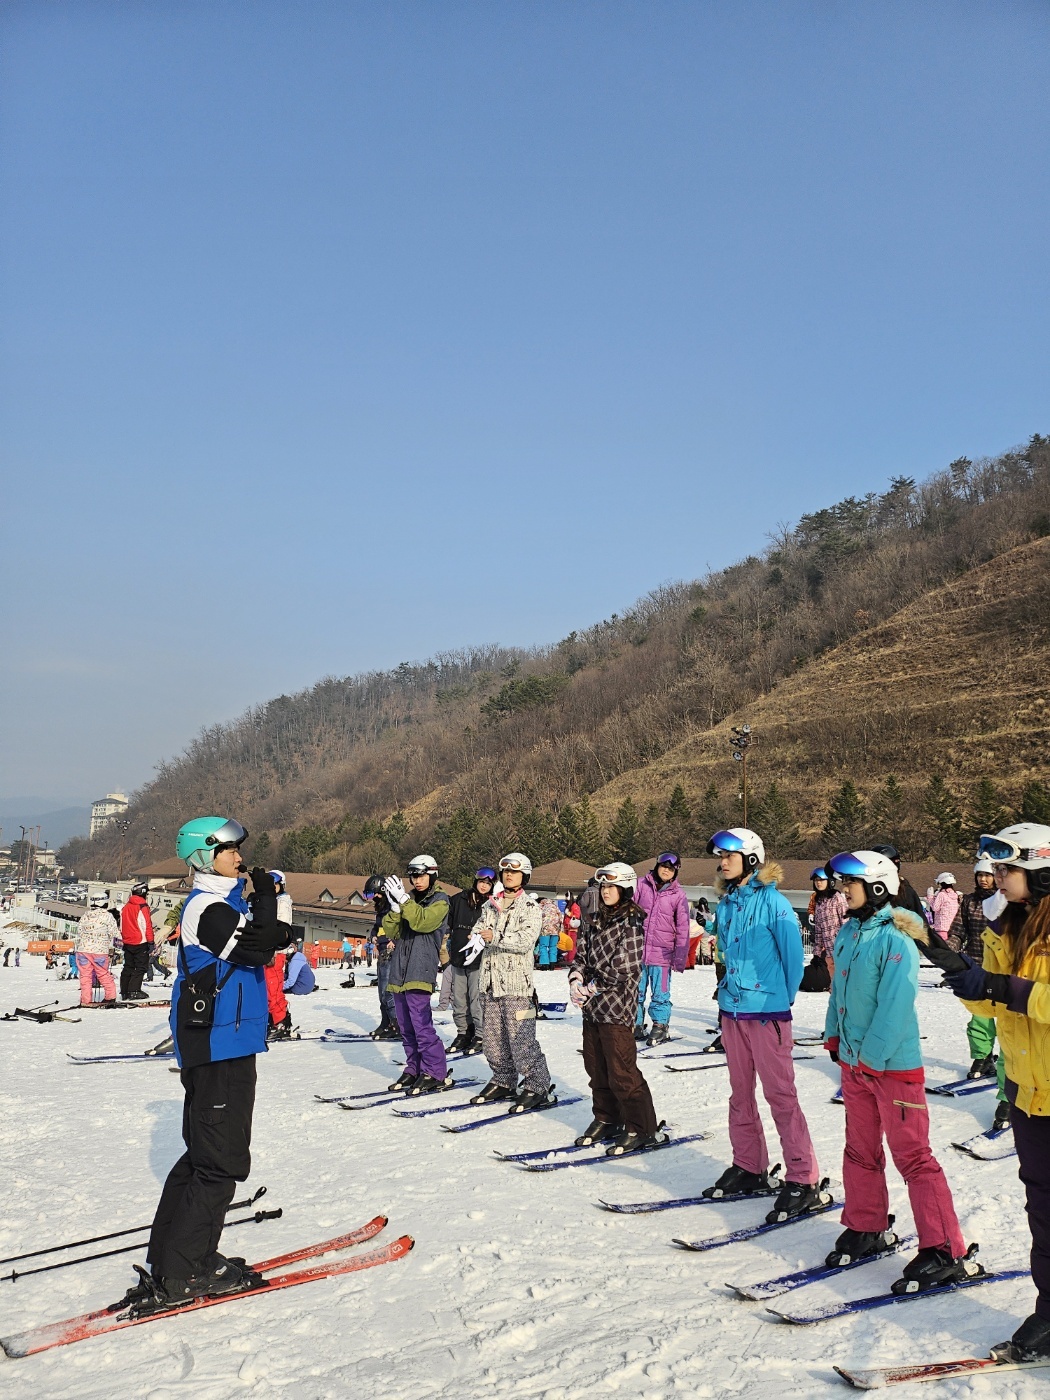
[396, 832]
[678, 833]
[1035, 804]
[846, 826]
[625, 835]
[711, 817]
[771, 816]
[944, 819]
[888, 820]
[987, 813]
[536, 833]
[579, 835]
[651, 834]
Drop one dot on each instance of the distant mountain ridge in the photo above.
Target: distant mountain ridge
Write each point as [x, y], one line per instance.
[59, 823]
[503, 734]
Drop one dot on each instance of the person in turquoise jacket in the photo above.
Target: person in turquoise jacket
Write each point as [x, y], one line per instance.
[872, 1031]
[760, 946]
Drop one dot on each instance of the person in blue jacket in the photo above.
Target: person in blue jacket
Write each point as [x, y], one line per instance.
[760, 946]
[872, 1031]
[218, 1023]
[299, 979]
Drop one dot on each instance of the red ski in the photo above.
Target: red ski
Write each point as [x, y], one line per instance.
[111, 1319]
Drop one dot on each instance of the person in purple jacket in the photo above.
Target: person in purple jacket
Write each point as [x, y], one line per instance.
[666, 908]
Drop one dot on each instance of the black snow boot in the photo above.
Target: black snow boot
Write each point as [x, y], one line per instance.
[658, 1034]
[403, 1082]
[1002, 1117]
[1031, 1342]
[527, 1099]
[599, 1131]
[459, 1043]
[982, 1069]
[798, 1198]
[493, 1093]
[933, 1268]
[641, 1032]
[852, 1245]
[735, 1181]
[638, 1142]
[427, 1084]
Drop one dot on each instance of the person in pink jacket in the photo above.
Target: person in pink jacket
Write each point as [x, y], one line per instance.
[943, 900]
[666, 908]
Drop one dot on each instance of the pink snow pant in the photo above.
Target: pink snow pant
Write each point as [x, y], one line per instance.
[92, 968]
[763, 1048]
[878, 1106]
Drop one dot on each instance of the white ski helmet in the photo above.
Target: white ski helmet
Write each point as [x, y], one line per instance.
[422, 865]
[876, 870]
[1027, 845]
[617, 872]
[742, 839]
[983, 866]
[945, 878]
[515, 861]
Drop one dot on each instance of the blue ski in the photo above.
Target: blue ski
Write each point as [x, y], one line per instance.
[754, 1231]
[541, 1153]
[718, 1064]
[400, 1097]
[593, 1161]
[995, 1145]
[959, 1088]
[677, 1202]
[345, 1098]
[119, 1059]
[757, 1292]
[556, 1006]
[885, 1300]
[506, 1116]
[443, 1108]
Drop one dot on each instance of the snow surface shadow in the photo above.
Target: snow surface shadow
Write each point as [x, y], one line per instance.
[166, 1144]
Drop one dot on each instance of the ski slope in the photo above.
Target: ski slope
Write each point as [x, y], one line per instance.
[518, 1284]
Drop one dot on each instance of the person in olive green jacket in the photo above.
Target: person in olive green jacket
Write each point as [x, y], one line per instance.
[416, 923]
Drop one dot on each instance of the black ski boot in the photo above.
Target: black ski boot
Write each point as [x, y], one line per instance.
[982, 1069]
[1031, 1342]
[226, 1277]
[933, 1268]
[1002, 1117]
[403, 1082]
[427, 1084]
[716, 1047]
[459, 1043]
[527, 1099]
[493, 1093]
[641, 1032]
[148, 1292]
[798, 1198]
[657, 1035]
[637, 1142]
[599, 1131]
[473, 1045]
[735, 1181]
[852, 1245]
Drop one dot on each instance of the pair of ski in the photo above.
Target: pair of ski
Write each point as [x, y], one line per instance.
[715, 1064]
[540, 1161]
[40, 1016]
[883, 1376]
[380, 1098]
[114, 1319]
[994, 1145]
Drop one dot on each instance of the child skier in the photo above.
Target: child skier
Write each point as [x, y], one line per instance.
[604, 982]
[416, 924]
[666, 908]
[872, 1032]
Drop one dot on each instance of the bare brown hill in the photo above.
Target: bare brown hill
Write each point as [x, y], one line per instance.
[957, 683]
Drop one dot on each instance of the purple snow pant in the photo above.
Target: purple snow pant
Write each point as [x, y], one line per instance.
[763, 1048]
[424, 1052]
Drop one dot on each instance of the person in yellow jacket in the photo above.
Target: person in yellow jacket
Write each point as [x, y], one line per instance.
[1013, 986]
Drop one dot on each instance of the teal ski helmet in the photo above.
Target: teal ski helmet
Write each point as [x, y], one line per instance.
[199, 839]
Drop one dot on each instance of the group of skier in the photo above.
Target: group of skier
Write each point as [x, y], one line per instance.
[629, 943]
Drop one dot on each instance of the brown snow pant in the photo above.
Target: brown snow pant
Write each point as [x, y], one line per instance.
[619, 1094]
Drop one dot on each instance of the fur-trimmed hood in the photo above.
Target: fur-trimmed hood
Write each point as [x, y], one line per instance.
[769, 874]
[912, 925]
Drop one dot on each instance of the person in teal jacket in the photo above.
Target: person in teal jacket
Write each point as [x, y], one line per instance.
[872, 1031]
[760, 946]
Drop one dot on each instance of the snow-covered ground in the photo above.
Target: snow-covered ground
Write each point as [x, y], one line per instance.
[518, 1285]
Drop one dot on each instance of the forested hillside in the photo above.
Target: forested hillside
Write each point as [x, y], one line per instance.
[478, 750]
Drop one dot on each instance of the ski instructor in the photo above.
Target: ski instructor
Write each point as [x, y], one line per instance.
[218, 1021]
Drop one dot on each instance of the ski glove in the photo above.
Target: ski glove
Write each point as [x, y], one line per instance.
[474, 945]
[395, 892]
[263, 883]
[936, 948]
[579, 993]
[977, 985]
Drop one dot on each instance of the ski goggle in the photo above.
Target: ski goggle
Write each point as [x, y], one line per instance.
[724, 843]
[1002, 852]
[846, 866]
[613, 877]
[415, 871]
[669, 858]
[485, 873]
[231, 833]
[511, 864]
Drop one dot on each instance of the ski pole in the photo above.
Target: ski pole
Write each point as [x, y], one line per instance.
[116, 1234]
[12, 1277]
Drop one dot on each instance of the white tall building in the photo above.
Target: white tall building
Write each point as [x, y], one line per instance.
[114, 804]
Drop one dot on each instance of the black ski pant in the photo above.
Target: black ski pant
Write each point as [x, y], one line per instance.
[619, 1094]
[217, 1131]
[133, 968]
[1032, 1140]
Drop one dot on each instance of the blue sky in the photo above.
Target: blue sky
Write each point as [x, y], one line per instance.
[336, 334]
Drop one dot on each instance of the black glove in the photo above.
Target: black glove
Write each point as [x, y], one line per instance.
[834, 1056]
[263, 882]
[941, 955]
